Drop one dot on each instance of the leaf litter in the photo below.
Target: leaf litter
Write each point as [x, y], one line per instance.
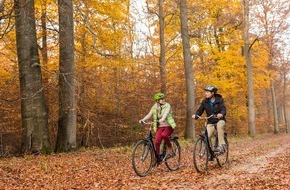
[260, 163]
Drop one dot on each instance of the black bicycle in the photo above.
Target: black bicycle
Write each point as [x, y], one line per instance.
[144, 155]
[203, 150]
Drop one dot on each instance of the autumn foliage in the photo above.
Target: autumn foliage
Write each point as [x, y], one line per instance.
[117, 73]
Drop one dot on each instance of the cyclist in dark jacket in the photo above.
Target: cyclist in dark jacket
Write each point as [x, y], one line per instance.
[213, 104]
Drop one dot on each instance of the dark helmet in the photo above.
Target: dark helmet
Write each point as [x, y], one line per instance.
[159, 96]
[211, 88]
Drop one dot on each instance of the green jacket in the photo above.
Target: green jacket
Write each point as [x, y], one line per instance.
[166, 114]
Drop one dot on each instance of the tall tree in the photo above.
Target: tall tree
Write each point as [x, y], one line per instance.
[2, 5]
[33, 107]
[271, 21]
[162, 61]
[275, 109]
[190, 96]
[44, 32]
[247, 54]
[285, 71]
[66, 137]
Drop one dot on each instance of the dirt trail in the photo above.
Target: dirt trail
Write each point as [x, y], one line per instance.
[256, 164]
[260, 163]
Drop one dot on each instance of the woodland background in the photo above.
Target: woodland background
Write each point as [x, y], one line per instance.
[117, 58]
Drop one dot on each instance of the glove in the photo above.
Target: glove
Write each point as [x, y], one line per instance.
[141, 121]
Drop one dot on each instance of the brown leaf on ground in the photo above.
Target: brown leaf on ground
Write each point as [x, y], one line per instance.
[260, 163]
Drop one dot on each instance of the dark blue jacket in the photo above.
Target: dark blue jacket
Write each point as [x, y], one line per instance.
[218, 107]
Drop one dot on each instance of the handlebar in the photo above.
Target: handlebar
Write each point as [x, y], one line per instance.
[148, 123]
[211, 116]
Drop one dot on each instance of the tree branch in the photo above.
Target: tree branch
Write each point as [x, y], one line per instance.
[87, 24]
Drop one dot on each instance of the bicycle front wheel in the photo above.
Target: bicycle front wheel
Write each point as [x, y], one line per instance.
[200, 155]
[142, 158]
[223, 158]
[173, 159]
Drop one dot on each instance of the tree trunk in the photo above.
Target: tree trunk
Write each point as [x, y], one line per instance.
[35, 136]
[162, 61]
[247, 54]
[66, 137]
[190, 129]
[44, 34]
[275, 112]
[284, 102]
[268, 104]
[2, 5]
[285, 118]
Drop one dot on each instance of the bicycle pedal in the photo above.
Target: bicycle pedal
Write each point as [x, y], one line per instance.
[218, 153]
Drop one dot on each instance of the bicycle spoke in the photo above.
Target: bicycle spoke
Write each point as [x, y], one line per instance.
[200, 155]
[142, 158]
[173, 158]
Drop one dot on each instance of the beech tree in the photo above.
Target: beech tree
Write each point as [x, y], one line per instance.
[247, 54]
[162, 61]
[66, 137]
[2, 5]
[189, 131]
[33, 107]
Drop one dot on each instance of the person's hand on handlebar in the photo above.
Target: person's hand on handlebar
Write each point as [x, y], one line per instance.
[141, 121]
[219, 115]
[195, 116]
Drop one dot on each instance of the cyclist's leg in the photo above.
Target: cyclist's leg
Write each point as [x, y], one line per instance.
[158, 139]
[210, 133]
[210, 130]
[221, 129]
[166, 134]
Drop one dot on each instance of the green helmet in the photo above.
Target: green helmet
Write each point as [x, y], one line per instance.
[159, 96]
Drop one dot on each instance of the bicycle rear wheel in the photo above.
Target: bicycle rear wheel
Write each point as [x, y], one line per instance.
[142, 158]
[172, 160]
[200, 155]
[223, 158]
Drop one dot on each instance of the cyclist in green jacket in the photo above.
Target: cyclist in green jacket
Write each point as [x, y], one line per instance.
[164, 123]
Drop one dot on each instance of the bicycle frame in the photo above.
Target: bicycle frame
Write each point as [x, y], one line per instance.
[149, 138]
[205, 136]
[208, 144]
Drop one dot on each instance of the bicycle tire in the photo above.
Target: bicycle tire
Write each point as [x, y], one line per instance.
[142, 158]
[172, 161]
[200, 155]
[222, 159]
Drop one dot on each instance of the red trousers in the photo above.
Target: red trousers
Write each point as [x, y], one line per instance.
[163, 133]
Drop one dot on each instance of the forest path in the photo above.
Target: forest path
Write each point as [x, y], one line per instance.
[259, 163]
